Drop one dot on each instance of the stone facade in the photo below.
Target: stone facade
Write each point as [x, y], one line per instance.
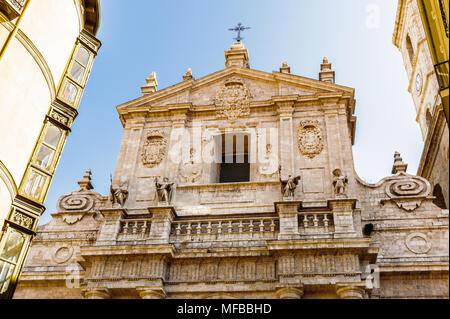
[411, 39]
[303, 224]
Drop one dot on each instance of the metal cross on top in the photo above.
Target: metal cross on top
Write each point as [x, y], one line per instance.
[238, 29]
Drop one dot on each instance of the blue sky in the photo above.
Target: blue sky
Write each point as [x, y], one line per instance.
[168, 37]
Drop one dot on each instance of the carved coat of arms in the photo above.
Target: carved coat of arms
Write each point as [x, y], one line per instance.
[310, 138]
[233, 100]
[154, 149]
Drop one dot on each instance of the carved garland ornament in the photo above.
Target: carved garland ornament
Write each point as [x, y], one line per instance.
[233, 100]
[309, 138]
[154, 149]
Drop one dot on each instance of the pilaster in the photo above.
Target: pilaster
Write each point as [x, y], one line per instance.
[288, 214]
[285, 110]
[342, 210]
[162, 218]
[110, 225]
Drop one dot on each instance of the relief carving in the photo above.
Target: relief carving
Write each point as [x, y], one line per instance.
[408, 191]
[22, 220]
[233, 100]
[309, 138]
[190, 172]
[418, 243]
[154, 149]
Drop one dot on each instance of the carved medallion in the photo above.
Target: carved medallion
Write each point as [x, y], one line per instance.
[154, 149]
[75, 202]
[309, 138]
[63, 254]
[233, 100]
[418, 243]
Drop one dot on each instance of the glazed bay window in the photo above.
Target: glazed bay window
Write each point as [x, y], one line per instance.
[77, 74]
[43, 162]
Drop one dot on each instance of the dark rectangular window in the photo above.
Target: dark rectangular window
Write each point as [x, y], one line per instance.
[235, 166]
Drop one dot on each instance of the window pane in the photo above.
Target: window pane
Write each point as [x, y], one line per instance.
[70, 92]
[77, 72]
[45, 157]
[52, 136]
[13, 246]
[6, 271]
[35, 184]
[82, 56]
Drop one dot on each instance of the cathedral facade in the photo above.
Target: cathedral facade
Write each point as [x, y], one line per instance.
[241, 184]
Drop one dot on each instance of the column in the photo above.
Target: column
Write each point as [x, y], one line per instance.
[289, 291]
[96, 293]
[351, 290]
[151, 292]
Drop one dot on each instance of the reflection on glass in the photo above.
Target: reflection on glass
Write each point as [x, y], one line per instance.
[45, 157]
[35, 184]
[52, 136]
[13, 246]
[6, 271]
[82, 56]
[70, 92]
[77, 72]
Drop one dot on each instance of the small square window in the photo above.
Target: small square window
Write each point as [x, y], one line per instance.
[35, 185]
[70, 92]
[77, 71]
[52, 136]
[82, 56]
[45, 157]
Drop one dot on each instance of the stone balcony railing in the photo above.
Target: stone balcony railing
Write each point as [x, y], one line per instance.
[315, 223]
[226, 228]
[134, 229]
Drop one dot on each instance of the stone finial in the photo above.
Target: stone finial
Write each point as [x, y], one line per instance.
[398, 166]
[151, 86]
[188, 76]
[237, 56]
[85, 182]
[326, 73]
[285, 68]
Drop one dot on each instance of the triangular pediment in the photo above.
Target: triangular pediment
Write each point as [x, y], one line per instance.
[261, 85]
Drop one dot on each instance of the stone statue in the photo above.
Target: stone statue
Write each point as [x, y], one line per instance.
[288, 186]
[340, 182]
[164, 190]
[119, 195]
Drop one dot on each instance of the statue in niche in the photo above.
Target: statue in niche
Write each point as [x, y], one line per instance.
[119, 195]
[164, 190]
[340, 182]
[288, 186]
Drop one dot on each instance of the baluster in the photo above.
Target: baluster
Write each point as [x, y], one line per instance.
[305, 221]
[230, 227]
[316, 221]
[135, 227]
[144, 228]
[209, 228]
[199, 228]
[189, 229]
[219, 228]
[125, 228]
[241, 227]
[178, 229]
[272, 225]
[261, 226]
[325, 220]
[251, 226]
